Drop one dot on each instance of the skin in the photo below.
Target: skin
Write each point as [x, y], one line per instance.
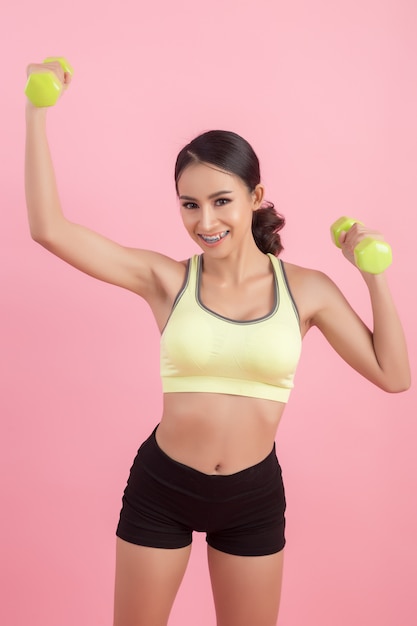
[213, 433]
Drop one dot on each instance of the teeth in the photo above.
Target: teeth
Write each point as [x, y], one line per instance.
[215, 238]
[212, 239]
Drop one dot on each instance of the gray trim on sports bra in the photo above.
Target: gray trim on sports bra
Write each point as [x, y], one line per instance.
[222, 317]
[284, 274]
[179, 294]
[228, 319]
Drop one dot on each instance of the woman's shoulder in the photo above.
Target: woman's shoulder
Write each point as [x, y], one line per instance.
[311, 289]
[155, 275]
[167, 278]
[168, 272]
[304, 275]
[309, 280]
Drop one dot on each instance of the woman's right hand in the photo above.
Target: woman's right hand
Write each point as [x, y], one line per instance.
[52, 66]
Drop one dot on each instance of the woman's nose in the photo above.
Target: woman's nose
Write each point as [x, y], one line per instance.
[207, 218]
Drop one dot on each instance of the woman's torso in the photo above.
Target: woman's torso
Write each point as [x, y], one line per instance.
[218, 433]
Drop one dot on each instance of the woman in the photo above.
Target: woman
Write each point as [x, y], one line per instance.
[231, 322]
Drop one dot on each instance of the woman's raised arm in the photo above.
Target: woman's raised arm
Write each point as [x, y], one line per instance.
[381, 354]
[140, 271]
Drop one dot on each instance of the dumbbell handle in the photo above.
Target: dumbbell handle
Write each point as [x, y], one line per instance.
[371, 255]
[44, 88]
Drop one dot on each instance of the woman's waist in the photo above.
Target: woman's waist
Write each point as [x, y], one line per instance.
[217, 434]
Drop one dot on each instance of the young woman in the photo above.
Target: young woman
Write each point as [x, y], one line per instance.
[232, 320]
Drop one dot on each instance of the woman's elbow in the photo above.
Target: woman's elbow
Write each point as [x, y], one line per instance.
[40, 235]
[396, 386]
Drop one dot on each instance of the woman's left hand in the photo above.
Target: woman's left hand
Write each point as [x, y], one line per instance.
[350, 239]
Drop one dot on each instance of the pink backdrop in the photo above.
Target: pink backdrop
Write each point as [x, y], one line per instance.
[327, 94]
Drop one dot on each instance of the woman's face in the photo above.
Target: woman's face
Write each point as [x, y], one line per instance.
[216, 208]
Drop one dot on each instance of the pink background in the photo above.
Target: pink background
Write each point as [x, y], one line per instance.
[327, 94]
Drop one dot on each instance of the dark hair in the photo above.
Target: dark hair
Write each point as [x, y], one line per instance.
[231, 153]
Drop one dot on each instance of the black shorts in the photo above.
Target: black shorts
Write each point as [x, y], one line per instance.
[165, 501]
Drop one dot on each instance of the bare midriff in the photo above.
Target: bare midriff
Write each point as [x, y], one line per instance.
[217, 433]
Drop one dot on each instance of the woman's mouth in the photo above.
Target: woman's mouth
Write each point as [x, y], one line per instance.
[213, 239]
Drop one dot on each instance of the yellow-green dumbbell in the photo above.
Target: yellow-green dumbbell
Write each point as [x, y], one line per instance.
[43, 88]
[371, 255]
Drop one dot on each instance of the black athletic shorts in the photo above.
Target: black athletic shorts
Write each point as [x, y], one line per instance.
[165, 501]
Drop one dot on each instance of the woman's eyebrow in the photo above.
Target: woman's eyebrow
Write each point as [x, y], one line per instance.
[213, 195]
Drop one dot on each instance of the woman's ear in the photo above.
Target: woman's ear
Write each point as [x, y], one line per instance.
[258, 196]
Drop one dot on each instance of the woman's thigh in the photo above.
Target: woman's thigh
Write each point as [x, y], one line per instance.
[147, 581]
[246, 590]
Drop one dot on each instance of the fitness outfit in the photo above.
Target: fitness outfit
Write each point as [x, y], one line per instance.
[202, 351]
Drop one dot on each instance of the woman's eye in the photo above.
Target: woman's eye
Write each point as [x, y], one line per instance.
[194, 205]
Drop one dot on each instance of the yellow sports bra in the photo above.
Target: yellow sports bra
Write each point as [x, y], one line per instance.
[202, 351]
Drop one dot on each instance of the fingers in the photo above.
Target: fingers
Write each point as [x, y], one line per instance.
[358, 232]
[52, 66]
[342, 237]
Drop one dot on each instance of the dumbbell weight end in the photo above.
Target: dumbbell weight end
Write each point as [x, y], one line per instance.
[373, 256]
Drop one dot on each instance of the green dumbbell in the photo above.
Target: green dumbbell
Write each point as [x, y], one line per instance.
[43, 88]
[371, 255]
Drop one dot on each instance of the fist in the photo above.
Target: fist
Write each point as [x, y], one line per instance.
[47, 81]
[350, 239]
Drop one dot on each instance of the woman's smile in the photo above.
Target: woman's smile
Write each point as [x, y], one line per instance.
[213, 240]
